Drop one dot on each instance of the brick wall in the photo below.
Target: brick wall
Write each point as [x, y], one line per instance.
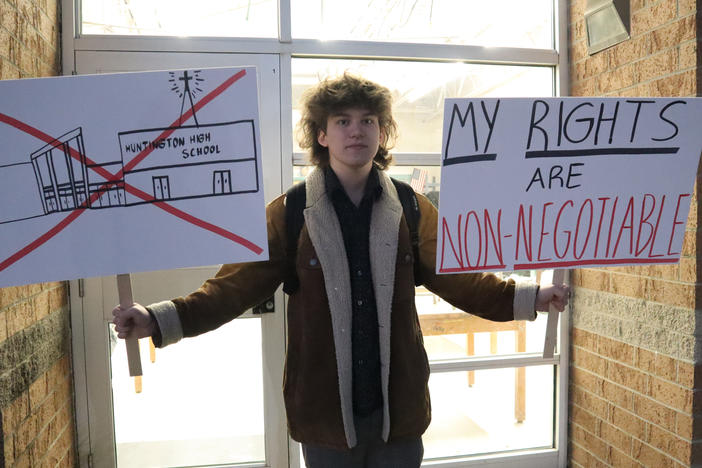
[635, 374]
[29, 38]
[36, 399]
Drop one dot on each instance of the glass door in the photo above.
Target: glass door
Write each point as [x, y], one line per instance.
[210, 400]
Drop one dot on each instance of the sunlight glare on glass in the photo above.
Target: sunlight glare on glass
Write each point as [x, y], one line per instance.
[181, 18]
[420, 88]
[495, 23]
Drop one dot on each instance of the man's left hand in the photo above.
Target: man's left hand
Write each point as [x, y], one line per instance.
[555, 295]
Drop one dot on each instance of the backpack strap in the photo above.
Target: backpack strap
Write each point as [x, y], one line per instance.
[295, 199]
[410, 208]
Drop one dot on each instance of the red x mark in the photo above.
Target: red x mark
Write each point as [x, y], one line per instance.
[112, 178]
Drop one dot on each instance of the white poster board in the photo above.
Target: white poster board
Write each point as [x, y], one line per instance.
[565, 182]
[129, 172]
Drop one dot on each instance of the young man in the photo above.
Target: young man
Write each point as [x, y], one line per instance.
[356, 374]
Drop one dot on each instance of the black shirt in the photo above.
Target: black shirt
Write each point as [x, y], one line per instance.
[365, 345]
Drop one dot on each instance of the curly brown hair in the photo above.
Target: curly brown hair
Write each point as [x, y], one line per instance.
[334, 95]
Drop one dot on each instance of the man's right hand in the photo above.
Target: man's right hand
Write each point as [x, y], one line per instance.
[134, 321]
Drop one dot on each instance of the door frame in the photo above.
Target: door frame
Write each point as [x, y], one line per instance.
[91, 355]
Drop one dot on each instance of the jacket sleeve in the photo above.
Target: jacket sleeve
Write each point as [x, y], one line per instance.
[233, 290]
[481, 294]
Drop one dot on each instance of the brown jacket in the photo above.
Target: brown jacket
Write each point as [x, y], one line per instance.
[317, 385]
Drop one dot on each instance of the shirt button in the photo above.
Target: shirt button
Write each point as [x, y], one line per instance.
[359, 302]
[359, 273]
[408, 258]
[360, 362]
[313, 262]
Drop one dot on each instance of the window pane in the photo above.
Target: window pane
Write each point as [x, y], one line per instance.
[494, 23]
[195, 408]
[419, 90]
[450, 333]
[226, 18]
[483, 417]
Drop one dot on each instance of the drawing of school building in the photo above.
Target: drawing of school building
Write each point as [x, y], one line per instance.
[192, 161]
[172, 163]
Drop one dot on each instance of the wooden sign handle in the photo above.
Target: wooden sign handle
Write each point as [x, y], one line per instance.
[552, 322]
[124, 288]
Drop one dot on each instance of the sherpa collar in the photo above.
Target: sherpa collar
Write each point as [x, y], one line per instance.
[325, 233]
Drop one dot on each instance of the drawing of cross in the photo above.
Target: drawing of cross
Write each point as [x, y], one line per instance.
[186, 91]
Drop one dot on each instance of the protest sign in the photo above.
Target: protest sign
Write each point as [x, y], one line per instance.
[130, 172]
[565, 182]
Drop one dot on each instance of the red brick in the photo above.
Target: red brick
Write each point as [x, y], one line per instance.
[692, 215]
[596, 405]
[589, 361]
[15, 413]
[650, 457]
[40, 303]
[58, 298]
[596, 65]
[628, 422]
[3, 326]
[37, 393]
[584, 339]
[586, 380]
[4, 47]
[585, 419]
[23, 461]
[8, 71]
[616, 437]
[672, 395]
[686, 7]
[658, 65]
[637, 5]
[673, 34]
[631, 50]
[577, 52]
[9, 18]
[629, 285]
[645, 360]
[627, 376]
[649, 18]
[619, 78]
[688, 269]
[665, 367]
[679, 84]
[618, 395]
[19, 317]
[587, 87]
[577, 30]
[24, 435]
[57, 374]
[597, 280]
[622, 460]
[616, 350]
[654, 412]
[689, 244]
[689, 375]
[9, 448]
[590, 442]
[672, 293]
[584, 458]
[668, 443]
[668, 272]
[684, 426]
